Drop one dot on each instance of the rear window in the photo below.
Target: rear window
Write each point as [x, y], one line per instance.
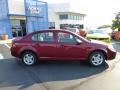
[35, 37]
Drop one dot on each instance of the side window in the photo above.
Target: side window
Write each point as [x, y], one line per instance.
[35, 37]
[45, 37]
[66, 37]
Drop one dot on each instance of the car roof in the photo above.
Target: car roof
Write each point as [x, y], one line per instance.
[53, 30]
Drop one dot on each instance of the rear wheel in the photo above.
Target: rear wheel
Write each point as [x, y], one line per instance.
[29, 58]
[97, 59]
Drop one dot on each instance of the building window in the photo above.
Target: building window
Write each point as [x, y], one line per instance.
[81, 26]
[66, 26]
[65, 16]
[80, 17]
[51, 25]
[71, 17]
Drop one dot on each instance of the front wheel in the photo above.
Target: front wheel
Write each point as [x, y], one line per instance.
[29, 58]
[97, 59]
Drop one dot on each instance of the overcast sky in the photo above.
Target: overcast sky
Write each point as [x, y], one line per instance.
[98, 12]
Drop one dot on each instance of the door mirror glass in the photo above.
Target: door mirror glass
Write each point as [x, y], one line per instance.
[78, 41]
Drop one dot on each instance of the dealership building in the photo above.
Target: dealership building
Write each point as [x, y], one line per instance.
[17, 18]
[63, 15]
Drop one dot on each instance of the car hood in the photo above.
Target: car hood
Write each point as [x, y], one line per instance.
[98, 36]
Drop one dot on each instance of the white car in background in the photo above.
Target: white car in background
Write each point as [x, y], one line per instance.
[99, 34]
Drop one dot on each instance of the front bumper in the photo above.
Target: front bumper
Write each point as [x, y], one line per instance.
[111, 54]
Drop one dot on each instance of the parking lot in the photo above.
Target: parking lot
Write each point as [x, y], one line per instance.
[57, 75]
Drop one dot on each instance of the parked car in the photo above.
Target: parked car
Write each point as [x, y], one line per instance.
[60, 45]
[99, 34]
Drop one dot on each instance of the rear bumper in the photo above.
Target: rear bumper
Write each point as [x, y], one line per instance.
[14, 52]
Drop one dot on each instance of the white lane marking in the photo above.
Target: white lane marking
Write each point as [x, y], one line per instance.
[1, 56]
[7, 45]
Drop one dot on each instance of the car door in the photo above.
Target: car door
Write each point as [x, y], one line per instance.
[45, 44]
[68, 46]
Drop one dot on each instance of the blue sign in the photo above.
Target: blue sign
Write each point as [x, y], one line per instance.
[36, 14]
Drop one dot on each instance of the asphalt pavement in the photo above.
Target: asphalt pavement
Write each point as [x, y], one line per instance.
[57, 75]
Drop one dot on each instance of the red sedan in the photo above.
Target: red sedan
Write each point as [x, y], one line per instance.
[60, 45]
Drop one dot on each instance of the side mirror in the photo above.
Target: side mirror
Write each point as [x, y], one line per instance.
[78, 43]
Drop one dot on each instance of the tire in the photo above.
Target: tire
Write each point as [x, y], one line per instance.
[29, 58]
[97, 59]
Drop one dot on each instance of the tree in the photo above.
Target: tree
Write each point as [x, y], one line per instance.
[116, 22]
